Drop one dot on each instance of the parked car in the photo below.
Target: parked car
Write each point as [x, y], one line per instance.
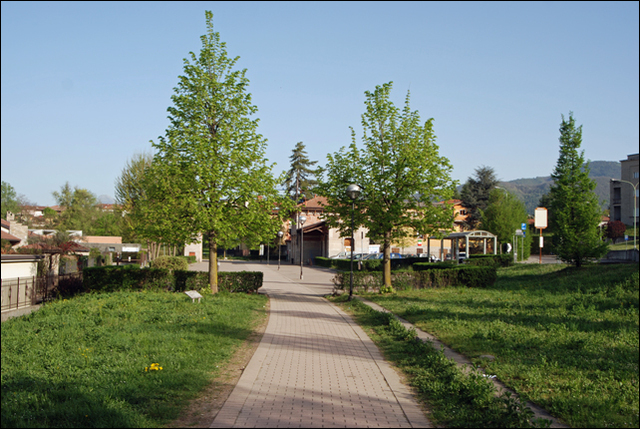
[347, 255]
[461, 257]
[381, 256]
[341, 255]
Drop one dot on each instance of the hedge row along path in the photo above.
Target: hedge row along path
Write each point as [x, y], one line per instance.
[315, 367]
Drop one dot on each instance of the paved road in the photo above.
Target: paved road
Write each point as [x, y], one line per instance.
[314, 366]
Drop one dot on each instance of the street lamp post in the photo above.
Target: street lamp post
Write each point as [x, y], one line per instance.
[353, 191]
[280, 234]
[302, 220]
[635, 189]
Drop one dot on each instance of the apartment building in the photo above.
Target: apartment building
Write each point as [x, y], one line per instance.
[622, 194]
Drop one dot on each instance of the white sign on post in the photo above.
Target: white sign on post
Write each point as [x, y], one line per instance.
[541, 218]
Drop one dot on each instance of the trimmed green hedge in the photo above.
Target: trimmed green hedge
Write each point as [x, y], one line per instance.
[423, 266]
[505, 260]
[110, 279]
[365, 265]
[170, 263]
[441, 276]
[323, 262]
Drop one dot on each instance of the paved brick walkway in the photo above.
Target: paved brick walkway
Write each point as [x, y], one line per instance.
[314, 366]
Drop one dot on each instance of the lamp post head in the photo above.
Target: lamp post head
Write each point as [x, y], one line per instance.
[353, 191]
[302, 219]
[280, 234]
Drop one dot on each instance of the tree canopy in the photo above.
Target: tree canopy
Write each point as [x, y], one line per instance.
[575, 208]
[9, 199]
[79, 208]
[210, 166]
[400, 172]
[475, 195]
[505, 214]
[299, 180]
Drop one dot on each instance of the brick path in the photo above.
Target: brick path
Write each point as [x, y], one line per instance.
[314, 366]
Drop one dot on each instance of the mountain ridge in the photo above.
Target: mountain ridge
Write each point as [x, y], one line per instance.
[529, 190]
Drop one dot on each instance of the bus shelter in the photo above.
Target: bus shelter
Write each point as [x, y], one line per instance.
[473, 242]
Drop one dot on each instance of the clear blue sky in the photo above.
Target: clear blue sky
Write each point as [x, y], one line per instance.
[85, 86]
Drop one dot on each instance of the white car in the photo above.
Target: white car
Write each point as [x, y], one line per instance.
[341, 255]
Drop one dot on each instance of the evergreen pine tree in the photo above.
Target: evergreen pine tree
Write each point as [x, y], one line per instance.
[574, 205]
[298, 181]
[475, 195]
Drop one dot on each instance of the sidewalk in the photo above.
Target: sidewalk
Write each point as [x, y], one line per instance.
[314, 366]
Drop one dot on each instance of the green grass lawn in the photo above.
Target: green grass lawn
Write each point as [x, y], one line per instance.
[123, 359]
[565, 338]
[622, 245]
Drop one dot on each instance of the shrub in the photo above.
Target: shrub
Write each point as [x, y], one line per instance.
[110, 279]
[442, 276]
[615, 229]
[422, 266]
[361, 280]
[372, 265]
[504, 260]
[240, 281]
[323, 262]
[69, 285]
[170, 263]
[477, 276]
[190, 280]
[437, 278]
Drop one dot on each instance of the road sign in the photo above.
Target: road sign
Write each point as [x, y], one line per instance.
[523, 226]
[541, 217]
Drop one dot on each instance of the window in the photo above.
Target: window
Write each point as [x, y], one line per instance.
[635, 174]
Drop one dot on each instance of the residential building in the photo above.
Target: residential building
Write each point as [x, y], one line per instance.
[622, 194]
[319, 239]
[16, 230]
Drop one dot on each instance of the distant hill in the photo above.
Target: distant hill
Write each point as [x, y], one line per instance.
[106, 199]
[530, 190]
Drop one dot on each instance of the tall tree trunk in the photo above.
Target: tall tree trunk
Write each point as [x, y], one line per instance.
[386, 260]
[213, 263]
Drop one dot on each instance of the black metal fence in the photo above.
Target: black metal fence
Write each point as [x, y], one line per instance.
[23, 292]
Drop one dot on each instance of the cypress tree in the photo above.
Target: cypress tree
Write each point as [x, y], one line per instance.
[575, 209]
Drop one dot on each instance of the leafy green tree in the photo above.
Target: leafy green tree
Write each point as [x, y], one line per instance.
[298, 180]
[575, 207]
[400, 172]
[475, 195]
[79, 208]
[210, 166]
[107, 224]
[50, 215]
[505, 214]
[9, 200]
[131, 196]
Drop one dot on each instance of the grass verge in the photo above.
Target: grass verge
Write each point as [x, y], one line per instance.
[122, 359]
[455, 398]
[565, 338]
